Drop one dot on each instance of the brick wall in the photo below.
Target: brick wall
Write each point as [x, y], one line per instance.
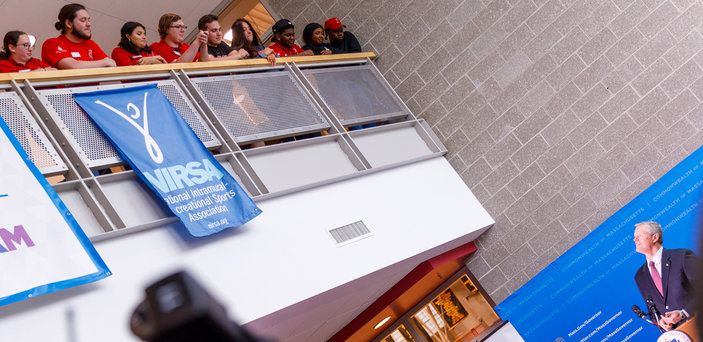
[556, 113]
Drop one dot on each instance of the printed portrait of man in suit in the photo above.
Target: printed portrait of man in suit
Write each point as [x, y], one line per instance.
[666, 276]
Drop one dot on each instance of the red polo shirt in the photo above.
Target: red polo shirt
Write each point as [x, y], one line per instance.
[55, 49]
[170, 54]
[122, 57]
[9, 65]
[282, 51]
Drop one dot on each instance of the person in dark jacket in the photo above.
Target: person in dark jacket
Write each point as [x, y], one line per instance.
[667, 277]
[314, 38]
[340, 40]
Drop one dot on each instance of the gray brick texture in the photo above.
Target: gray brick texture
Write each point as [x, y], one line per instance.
[555, 112]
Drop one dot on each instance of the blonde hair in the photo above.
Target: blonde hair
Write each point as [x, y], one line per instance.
[165, 21]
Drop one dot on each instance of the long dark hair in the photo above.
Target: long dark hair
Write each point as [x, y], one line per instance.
[67, 12]
[127, 44]
[308, 31]
[11, 38]
[239, 41]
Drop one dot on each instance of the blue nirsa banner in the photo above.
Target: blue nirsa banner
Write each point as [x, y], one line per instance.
[160, 146]
[587, 293]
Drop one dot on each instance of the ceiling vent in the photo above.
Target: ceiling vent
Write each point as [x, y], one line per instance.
[350, 233]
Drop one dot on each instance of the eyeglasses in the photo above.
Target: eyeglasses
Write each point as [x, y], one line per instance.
[179, 27]
[25, 45]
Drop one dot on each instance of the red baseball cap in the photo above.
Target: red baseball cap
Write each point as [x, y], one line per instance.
[333, 23]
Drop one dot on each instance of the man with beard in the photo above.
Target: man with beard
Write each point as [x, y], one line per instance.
[74, 49]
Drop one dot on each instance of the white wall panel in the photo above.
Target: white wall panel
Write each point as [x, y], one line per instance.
[281, 258]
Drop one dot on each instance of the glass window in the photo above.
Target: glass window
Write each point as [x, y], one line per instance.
[458, 313]
[399, 335]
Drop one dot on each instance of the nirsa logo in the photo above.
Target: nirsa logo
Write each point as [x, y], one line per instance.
[151, 146]
[177, 177]
[166, 178]
[14, 239]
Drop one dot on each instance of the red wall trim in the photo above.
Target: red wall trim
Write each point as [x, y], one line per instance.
[401, 287]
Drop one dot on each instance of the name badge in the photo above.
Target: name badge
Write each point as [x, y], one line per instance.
[76, 54]
[176, 53]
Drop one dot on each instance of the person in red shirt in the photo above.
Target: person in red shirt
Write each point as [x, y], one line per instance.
[74, 49]
[171, 46]
[16, 55]
[284, 40]
[132, 49]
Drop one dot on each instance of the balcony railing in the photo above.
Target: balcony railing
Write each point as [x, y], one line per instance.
[322, 119]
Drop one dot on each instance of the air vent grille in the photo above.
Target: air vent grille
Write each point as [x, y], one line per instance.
[350, 233]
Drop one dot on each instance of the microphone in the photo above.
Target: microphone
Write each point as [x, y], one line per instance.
[636, 309]
[653, 311]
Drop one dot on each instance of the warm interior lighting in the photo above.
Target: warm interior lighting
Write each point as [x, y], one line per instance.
[381, 323]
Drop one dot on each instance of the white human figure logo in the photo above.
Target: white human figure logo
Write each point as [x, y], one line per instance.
[151, 146]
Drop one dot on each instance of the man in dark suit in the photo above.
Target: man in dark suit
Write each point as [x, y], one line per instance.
[667, 276]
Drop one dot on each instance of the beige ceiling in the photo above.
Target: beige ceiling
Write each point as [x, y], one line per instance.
[107, 17]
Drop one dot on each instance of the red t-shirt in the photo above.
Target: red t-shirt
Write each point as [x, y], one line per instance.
[122, 57]
[9, 65]
[56, 49]
[282, 51]
[170, 54]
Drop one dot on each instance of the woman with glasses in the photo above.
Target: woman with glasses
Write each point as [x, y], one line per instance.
[171, 46]
[16, 54]
[132, 48]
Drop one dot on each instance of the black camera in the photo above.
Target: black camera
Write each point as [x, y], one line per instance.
[178, 309]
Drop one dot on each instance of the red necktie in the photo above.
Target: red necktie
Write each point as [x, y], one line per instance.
[656, 277]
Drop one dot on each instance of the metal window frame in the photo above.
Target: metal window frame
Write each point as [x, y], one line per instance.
[81, 180]
[193, 85]
[113, 159]
[398, 115]
[49, 147]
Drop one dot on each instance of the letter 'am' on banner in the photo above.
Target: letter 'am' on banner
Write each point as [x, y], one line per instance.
[150, 134]
[42, 248]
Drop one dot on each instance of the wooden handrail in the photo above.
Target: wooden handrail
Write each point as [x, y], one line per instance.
[161, 68]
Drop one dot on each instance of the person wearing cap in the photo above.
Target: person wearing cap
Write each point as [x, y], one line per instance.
[340, 40]
[284, 40]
